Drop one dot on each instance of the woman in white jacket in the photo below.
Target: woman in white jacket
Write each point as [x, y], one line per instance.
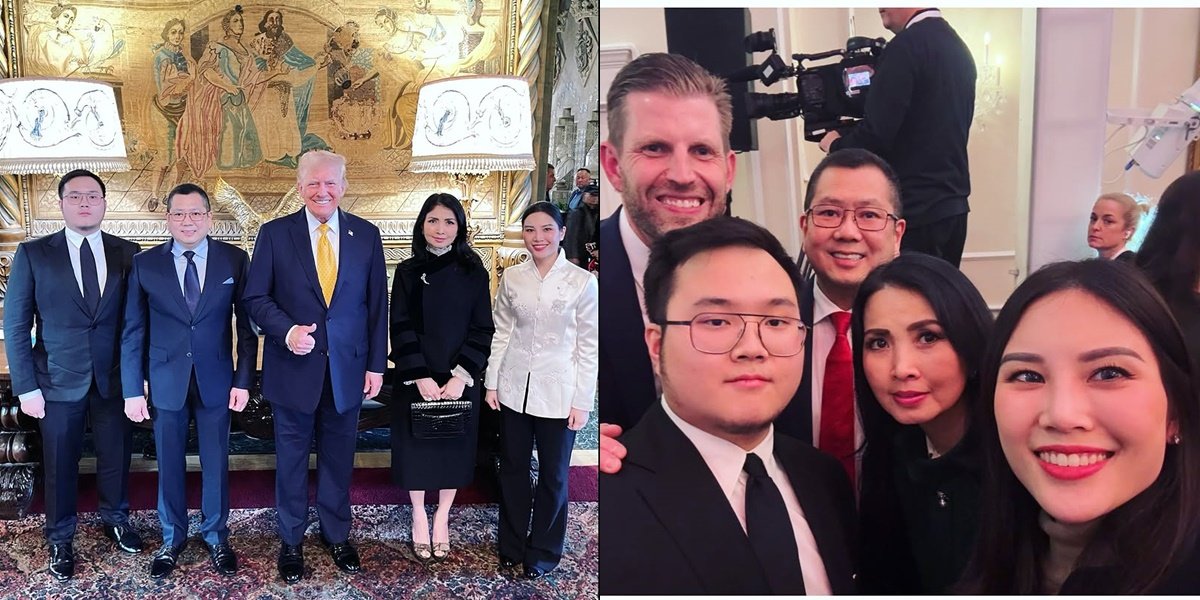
[542, 377]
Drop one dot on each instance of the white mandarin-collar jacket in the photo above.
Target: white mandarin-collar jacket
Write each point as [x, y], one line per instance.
[547, 340]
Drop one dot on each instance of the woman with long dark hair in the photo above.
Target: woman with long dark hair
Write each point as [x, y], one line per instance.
[918, 329]
[1091, 436]
[441, 333]
[542, 379]
[1170, 255]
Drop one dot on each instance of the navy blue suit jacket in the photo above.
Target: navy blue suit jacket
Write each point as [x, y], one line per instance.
[351, 336]
[626, 378]
[72, 345]
[157, 321]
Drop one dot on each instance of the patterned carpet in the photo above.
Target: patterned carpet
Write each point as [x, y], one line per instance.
[381, 534]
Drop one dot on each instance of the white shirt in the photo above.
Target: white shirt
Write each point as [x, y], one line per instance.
[929, 14]
[726, 461]
[201, 260]
[96, 243]
[545, 352]
[639, 256]
[824, 333]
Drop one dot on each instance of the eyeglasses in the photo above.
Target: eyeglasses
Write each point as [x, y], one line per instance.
[194, 215]
[719, 333]
[867, 219]
[76, 199]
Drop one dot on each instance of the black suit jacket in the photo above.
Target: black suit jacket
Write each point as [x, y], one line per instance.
[796, 419]
[918, 118]
[668, 528]
[72, 345]
[626, 378]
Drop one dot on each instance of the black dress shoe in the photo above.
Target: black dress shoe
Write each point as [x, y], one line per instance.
[508, 563]
[165, 560]
[224, 559]
[126, 538]
[291, 562]
[534, 572]
[62, 561]
[344, 556]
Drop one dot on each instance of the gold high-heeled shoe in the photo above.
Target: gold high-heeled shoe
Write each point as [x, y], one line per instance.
[441, 551]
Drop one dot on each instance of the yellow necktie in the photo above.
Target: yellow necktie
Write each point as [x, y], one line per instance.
[326, 264]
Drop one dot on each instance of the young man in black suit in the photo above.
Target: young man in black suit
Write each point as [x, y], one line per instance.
[711, 500]
[918, 117]
[71, 286]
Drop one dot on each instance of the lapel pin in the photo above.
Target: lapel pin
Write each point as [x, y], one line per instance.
[423, 280]
[350, 232]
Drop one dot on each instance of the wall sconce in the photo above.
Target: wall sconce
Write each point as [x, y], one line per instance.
[470, 126]
[989, 90]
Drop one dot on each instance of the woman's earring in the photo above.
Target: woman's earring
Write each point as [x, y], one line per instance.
[1176, 439]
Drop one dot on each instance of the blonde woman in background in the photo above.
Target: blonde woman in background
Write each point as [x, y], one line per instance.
[1114, 218]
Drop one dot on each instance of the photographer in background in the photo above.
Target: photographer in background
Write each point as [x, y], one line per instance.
[918, 115]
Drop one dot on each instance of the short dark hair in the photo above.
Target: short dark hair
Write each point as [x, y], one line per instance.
[855, 158]
[184, 189]
[676, 247]
[549, 167]
[967, 323]
[62, 183]
[585, 169]
[543, 207]
[1170, 254]
[1155, 529]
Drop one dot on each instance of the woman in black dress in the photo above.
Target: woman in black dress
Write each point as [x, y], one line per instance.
[918, 330]
[441, 332]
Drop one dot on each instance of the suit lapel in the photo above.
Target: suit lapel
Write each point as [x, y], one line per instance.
[215, 274]
[58, 244]
[821, 517]
[626, 333]
[796, 418]
[114, 263]
[689, 503]
[345, 242]
[164, 265]
[303, 243]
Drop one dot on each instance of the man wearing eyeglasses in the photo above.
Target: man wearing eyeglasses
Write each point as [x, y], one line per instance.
[183, 295]
[711, 500]
[70, 285]
[851, 224]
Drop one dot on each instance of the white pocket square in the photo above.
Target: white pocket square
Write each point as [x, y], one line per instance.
[227, 281]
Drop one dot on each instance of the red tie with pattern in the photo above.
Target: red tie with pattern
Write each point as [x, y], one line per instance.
[837, 398]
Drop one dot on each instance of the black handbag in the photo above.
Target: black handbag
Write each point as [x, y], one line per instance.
[440, 419]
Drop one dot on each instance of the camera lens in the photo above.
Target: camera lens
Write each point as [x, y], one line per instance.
[772, 106]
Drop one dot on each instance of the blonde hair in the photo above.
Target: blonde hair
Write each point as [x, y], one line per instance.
[670, 74]
[1131, 210]
[313, 157]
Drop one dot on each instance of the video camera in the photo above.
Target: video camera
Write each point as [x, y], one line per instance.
[830, 96]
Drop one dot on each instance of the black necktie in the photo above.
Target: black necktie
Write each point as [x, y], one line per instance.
[191, 282]
[91, 281]
[770, 530]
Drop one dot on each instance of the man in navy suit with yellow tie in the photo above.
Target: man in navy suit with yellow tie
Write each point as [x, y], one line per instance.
[181, 299]
[71, 286]
[318, 290]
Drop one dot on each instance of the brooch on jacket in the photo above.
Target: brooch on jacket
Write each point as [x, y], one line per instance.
[423, 280]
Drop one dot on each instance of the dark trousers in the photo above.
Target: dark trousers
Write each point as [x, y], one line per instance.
[62, 439]
[336, 435]
[943, 238]
[543, 546]
[170, 439]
